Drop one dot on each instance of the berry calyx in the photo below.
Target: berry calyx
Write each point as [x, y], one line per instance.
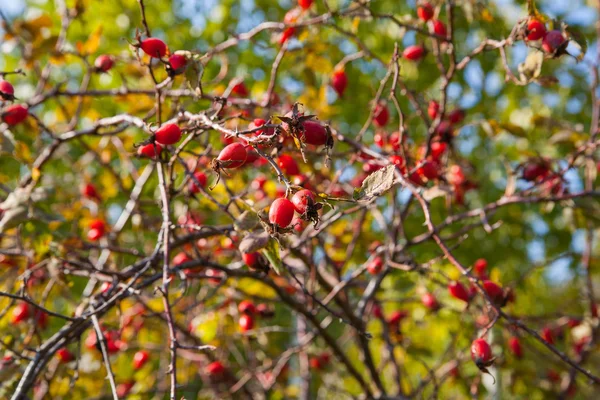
[168, 134]
[140, 359]
[232, 156]
[381, 115]
[7, 92]
[536, 30]
[339, 82]
[14, 114]
[150, 150]
[458, 291]
[246, 323]
[425, 12]
[104, 63]
[481, 353]
[154, 47]
[413, 53]
[281, 212]
[197, 182]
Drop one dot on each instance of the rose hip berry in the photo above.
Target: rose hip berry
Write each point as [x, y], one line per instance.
[140, 359]
[536, 30]
[303, 200]
[246, 307]
[168, 134]
[425, 12]
[64, 355]
[413, 53]
[281, 212]
[154, 47]
[150, 150]
[215, 369]
[495, 292]
[199, 178]
[104, 63]
[176, 64]
[305, 4]
[7, 92]
[252, 260]
[553, 40]
[246, 323]
[88, 190]
[480, 266]
[481, 353]
[14, 114]
[439, 28]
[232, 156]
[515, 346]
[288, 165]
[240, 89]
[381, 115]
[458, 291]
[97, 229]
[375, 266]
[339, 82]
[430, 301]
[314, 133]
[20, 313]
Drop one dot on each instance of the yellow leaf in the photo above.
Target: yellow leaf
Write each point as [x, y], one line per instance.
[256, 288]
[91, 44]
[35, 174]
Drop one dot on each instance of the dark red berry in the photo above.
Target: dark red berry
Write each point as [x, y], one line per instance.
[246, 323]
[456, 116]
[252, 260]
[64, 355]
[495, 292]
[288, 165]
[88, 190]
[314, 133]
[439, 28]
[246, 307]
[430, 301]
[553, 40]
[168, 134]
[396, 317]
[281, 212]
[240, 89]
[433, 109]
[381, 115]
[515, 346]
[547, 335]
[20, 313]
[7, 92]
[199, 178]
[480, 267]
[177, 64]
[375, 266]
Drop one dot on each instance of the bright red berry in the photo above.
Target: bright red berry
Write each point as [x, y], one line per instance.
[251, 259]
[535, 170]
[7, 92]
[394, 140]
[430, 301]
[481, 353]
[246, 307]
[552, 41]
[149, 150]
[375, 266]
[286, 34]
[215, 369]
[177, 64]
[480, 266]
[381, 115]
[154, 47]
[233, 156]
[339, 82]
[377, 311]
[281, 212]
[246, 323]
[458, 291]
[536, 30]
[438, 149]
[305, 4]
[433, 109]
[314, 133]
[258, 122]
[181, 258]
[379, 139]
[456, 176]
[140, 359]
[88, 190]
[240, 89]
[547, 335]
[515, 346]
[425, 11]
[97, 229]
[429, 170]
[439, 28]
[288, 165]
[495, 292]
[199, 179]
[302, 200]
[64, 355]
[396, 317]
[14, 114]
[413, 53]
[168, 134]
[20, 313]
[104, 63]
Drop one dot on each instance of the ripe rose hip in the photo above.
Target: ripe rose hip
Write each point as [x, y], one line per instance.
[375, 266]
[233, 156]
[381, 115]
[177, 64]
[14, 114]
[302, 200]
[168, 134]
[252, 260]
[429, 170]
[480, 266]
[339, 82]
[494, 291]
[413, 53]
[246, 307]
[288, 165]
[396, 317]
[439, 28]
[438, 149]
[181, 258]
[281, 212]
[314, 133]
[536, 30]
[258, 122]
[547, 335]
[88, 190]
[433, 109]
[200, 178]
[379, 139]
[456, 116]
[215, 369]
[154, 47]
[246, 323]
[97, 229]
[481, 353]
[515, 346]
[40, 318]
[425, 11]
[286, 34]
[7, 92]
[20, 313]
[104, 63]
[430, 301]
[456, 176]
[305, 4]
[458, 291]
[535, 170]
[123, 389]
[64, 355]
[240, 89]
[553, 40]
[140, 359]
[149, 150]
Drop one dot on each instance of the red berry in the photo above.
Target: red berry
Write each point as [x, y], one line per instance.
[379, 139]
[200, 178]
[535, 30]
[439, 28]
[177, 64]
[154, 47]
[425, 11]
[399, 162]
[181, 258]
[302, 200]
[105, 287]
[20, 313]
[140, 359]
[7, 92]
[377, 311]
[64, 355]
[480, 267]
[429, 170]
[458, 291]
[88, 190]
[553, 40]
[251, 259]
[495, 292]
[547, 335]
[413, 53]
[123, 389]
[233, 156]
[394, 140]
[375, 266]
[430, 301]
[14, 114]
[246, 323]
[98, 224]
[515, 346]
[240, 89]
[433, 109]
[288, 165]
[456, 116]
[456, 176]
[314, 133]
[246, 307]
[438, 149]
[288, 33]
[104, 63]
[481, 353]
[305, 4]
[397, 316]
[534, 171]
[40, 318]
[381, 115]
[315, 363]
[281, 212]
[149, 150]
[258, 122]
[339, 82]
[215, 369]
[168, 134]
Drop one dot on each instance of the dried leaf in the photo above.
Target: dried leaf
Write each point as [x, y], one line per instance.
[376, 184]
[532, 67]
[254, 242]
[246, 221]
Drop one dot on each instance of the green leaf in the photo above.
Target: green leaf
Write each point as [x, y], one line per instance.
[376, 184]
[272, 254]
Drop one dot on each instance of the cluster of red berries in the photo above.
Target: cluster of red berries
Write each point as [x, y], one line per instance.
[248, 311]
[553, 43]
